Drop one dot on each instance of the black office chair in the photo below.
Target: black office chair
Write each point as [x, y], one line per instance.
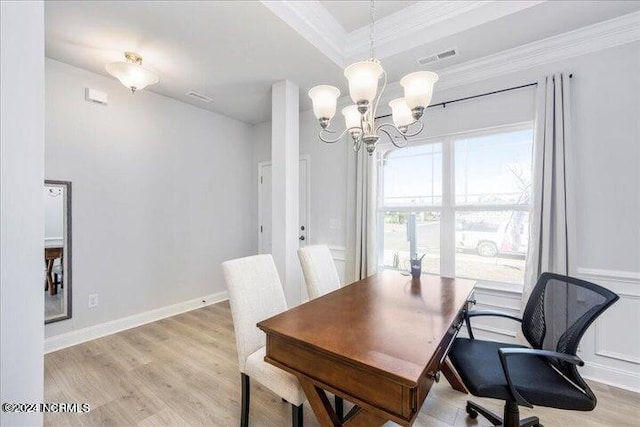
[558, 312]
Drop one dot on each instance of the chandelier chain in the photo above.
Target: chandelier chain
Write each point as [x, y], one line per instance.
[372, 28]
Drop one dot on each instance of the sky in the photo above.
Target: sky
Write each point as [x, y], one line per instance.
[484, 164]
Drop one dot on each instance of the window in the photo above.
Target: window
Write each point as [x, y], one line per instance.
[462, 200]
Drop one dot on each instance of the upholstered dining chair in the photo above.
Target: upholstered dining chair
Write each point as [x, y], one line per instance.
[557, 314]
[319, 270]
[255, 294]
[321, 277]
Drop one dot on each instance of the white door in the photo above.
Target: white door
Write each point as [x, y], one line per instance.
[264, 210]
[264, 204]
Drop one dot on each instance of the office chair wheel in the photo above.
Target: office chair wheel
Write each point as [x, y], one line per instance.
[473, 414]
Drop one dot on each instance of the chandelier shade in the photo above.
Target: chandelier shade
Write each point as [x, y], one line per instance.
[131, 73]
[363, 80]
[351, 116]
[418, 88]
[401, 113]
[324, 98]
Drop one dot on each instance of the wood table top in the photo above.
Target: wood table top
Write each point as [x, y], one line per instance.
[387, 322]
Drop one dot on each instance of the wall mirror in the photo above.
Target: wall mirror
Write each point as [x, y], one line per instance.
[57, 251]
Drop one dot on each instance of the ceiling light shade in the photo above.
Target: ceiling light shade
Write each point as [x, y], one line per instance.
[324, 98]
[352, 116]
[131, 73]
[363, 80]
[401, 113]
[418, 88]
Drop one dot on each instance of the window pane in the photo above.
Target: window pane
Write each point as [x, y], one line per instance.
[413, 176]
[494, 169]
[396, 235]
[492, 245]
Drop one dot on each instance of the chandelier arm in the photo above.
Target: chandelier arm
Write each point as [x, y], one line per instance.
[375, 106]
[380, 129]
[405, 135]
[332, 141]
[409, 135]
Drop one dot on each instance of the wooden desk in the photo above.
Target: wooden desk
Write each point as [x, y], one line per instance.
[378, 343]
[52, 253]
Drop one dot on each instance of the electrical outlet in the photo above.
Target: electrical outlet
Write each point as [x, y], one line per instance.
[93, 300]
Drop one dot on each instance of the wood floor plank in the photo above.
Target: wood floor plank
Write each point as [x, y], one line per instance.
[183, 371]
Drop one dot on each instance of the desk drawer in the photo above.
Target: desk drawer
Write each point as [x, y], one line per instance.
[338, 376]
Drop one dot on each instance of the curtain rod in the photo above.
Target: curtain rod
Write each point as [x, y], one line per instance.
[444, 104]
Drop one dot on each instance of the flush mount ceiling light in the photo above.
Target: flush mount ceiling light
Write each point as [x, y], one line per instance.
[131, 73]
[360, 118]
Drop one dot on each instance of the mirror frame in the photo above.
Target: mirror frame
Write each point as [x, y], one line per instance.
[68, 252]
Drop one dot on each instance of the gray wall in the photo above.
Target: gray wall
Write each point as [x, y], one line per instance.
[22, 214]
[160, 195]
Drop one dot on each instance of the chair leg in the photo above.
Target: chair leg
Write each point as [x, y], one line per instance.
[339, 407]
[246, 394]
[473, 409]
[530, 422]
[511, 415]
[297, 419]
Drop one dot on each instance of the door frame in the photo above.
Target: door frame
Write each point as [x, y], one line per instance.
[306, 158]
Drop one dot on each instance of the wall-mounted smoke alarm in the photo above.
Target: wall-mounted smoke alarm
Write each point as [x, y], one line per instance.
[96, 96]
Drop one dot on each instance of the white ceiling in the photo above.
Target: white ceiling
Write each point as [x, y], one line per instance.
[233, 51]
[354, 14]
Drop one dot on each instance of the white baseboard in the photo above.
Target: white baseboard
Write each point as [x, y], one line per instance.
[79, 336]
[611, 376]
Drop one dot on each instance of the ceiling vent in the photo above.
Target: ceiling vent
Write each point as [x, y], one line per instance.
[199, 96]
[449, 53]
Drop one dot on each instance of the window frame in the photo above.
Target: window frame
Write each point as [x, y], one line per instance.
[448, 208]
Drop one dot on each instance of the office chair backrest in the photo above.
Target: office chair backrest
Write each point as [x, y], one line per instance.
[320, 273]
[255, 294]
[559, 311]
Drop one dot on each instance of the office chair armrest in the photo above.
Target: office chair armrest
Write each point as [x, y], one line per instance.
[478, 313]
[506, 352]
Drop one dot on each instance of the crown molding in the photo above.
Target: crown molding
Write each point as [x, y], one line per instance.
[396, 33]
[593, 38]
[313, 22]
[410, 27]
[407, 21]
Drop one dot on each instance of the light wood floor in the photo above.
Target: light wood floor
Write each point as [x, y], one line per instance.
[182, 371]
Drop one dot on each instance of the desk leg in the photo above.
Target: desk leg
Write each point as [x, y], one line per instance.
[319, 403]
[452, 376]
[357, 417]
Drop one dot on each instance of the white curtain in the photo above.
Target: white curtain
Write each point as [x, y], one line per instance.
[365, 262]
[548, 234]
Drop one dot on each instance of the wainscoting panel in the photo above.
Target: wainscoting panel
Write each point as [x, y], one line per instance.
[339, 258]
[613, 342]
[488, 296]
[611, 347]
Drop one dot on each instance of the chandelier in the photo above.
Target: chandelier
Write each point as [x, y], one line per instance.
[360, 118]
[131, 73]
